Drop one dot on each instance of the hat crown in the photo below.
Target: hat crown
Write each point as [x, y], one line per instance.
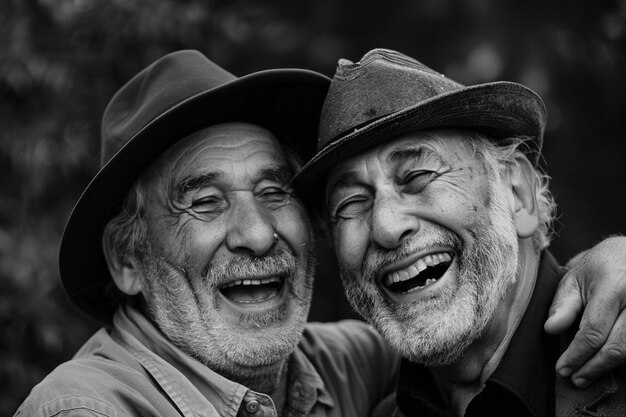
[155, 90]
[381, 83]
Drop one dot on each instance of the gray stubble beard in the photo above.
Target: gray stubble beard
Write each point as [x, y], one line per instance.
[436, 332]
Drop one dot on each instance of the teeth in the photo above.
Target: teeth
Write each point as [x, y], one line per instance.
[413, 270]
[252, 282]
[421, 265]
[232, 284]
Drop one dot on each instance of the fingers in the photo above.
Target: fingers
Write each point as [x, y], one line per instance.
[611, 355]
[597, 323]
[566, 306]
[598, 279]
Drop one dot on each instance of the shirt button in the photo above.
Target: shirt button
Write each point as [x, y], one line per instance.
[252, 406]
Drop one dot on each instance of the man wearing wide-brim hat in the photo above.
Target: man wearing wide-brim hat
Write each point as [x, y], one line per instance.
[440, 219]
[191, 247]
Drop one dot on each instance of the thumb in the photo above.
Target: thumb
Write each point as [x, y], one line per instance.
[566, 306]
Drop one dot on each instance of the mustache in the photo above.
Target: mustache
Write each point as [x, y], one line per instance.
[279, 261]
[377, 257]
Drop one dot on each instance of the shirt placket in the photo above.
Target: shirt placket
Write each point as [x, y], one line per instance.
[255, 404]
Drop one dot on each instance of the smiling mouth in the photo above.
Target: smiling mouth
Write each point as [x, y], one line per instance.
[252, 291]
[419, 275]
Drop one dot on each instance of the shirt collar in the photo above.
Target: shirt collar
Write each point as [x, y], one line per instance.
[533, 385]
[525, 374]
[174, 369]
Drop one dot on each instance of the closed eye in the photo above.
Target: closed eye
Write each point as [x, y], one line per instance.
[415, 181]
[351, 208]
[273, 195]
[210, 204]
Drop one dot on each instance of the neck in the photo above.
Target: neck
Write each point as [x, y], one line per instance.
[464, 379]
[264, 379]
[270, 380]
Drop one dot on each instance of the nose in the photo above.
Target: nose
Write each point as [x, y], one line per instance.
[392, 222]
[251, 227]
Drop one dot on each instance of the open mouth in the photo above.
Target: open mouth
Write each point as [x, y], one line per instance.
[252, 291]
[420, 274]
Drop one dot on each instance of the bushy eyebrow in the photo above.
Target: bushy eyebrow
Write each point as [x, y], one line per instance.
[418, 154]
[195, 182]
[344, 179]
[278, 173]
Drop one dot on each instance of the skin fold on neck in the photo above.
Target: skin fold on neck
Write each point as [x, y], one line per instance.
[466, 378]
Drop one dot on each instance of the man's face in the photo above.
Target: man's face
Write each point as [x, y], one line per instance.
[218, 282]
[425, 240]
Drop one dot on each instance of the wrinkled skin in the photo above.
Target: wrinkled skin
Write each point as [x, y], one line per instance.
[596, 283]
[403, 203]
[219, 210]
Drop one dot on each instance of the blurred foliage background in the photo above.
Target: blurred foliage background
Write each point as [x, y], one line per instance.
[62, 60]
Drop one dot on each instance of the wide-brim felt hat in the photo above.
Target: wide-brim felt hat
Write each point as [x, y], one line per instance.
[175, 96]
[388, 94]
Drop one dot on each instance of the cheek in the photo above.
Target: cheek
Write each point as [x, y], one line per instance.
[195, 243]
[293, 225]
[457, 208]
[351, 239]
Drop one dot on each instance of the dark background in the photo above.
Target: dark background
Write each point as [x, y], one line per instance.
[61, 61]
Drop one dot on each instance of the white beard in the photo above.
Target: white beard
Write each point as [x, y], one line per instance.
[187, 310]
[437, 331]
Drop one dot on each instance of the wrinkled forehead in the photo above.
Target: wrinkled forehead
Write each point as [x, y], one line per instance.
[234, 150]
[439, 145]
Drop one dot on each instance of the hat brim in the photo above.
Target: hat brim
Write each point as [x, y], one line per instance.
[499, 109]
[287, 102]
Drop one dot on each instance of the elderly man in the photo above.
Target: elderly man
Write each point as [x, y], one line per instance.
[191, 246]
[440, 219]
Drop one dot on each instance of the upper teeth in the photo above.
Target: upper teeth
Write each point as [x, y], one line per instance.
[418, 266]
[252, 282]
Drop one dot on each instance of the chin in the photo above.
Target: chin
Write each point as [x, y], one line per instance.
[266, 345]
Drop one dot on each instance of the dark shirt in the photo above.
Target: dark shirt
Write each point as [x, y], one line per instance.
[523, 383]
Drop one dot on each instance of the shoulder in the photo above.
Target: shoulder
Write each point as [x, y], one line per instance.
[345, 335]
[98, 381]
[352, 346]
[606, 396]
[356, 364]
[73, 388]
[350, 340]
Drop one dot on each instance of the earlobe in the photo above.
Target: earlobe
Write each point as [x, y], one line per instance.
[124, 271]
[128, 280]
[524, 184]
[525, 223]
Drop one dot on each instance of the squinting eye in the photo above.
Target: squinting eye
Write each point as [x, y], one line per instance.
[210, 204]
[352, 208]
[415, 181]
[273, 195]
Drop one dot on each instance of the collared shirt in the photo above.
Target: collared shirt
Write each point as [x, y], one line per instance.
[523, 383]
[341, 369]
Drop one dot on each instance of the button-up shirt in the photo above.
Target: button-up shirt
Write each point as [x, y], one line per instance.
[131, 369]
[523, 383]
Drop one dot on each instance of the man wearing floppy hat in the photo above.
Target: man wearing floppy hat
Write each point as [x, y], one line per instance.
[440, 219]
[190, 245]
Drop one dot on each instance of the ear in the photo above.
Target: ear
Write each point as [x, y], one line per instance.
[523, 186]
[124, 270]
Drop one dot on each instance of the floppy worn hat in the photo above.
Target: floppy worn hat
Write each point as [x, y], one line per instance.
[172, 98]
[388, 94]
